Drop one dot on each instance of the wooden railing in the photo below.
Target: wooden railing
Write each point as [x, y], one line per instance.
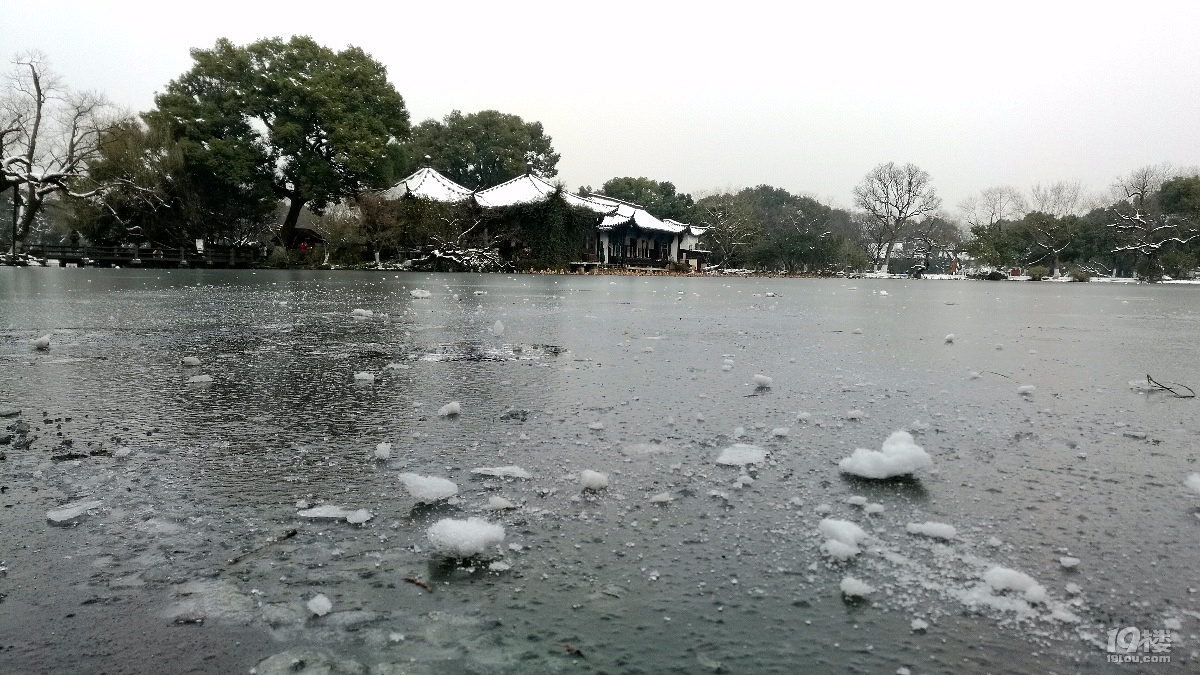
[133, 256]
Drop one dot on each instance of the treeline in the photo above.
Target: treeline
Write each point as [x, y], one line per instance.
[283, 143]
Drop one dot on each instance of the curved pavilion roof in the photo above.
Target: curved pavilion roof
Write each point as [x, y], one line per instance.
[428, 184]
[528, 189]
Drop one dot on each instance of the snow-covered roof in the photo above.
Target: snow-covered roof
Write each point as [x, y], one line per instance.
[427, 183]
[627, 213]
[694, 230]
[528, 189]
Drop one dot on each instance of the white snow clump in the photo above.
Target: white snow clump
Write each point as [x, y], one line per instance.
[899, 456]
[762, 381]
[1026, 390]
[932, 530]
[383, 451]
[1193, 482]
[364, 376]
[593, 480]
[950, 339]
[42, 343]
[190, 361]
[362, 313]
[741, 454]
[1003, 578]
[499, 504]
[853, 588]
[1068, 562]
[419, 293]
[428, 488]
[464, 538]
[320, 605]
[199, 379]
[842, 538]
[450, 409]
[498, 328]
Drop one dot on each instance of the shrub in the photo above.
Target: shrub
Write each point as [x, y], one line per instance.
[1038, 273]
[1080, 274]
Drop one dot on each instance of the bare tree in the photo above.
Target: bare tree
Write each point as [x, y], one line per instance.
[893, 197]
[1059, 199]
[730, 229]
[48, 134]
[993, 205]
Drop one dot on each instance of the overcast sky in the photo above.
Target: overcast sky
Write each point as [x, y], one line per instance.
[724, 95]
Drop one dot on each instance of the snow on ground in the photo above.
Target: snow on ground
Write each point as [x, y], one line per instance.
[899, 456]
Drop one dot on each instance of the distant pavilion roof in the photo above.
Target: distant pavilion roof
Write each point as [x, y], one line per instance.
[628, 213]
[529, 189]
[427, 183]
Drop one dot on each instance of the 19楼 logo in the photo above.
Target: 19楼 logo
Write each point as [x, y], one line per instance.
[1131, 645]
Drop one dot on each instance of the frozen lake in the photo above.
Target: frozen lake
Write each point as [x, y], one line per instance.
[196, 560]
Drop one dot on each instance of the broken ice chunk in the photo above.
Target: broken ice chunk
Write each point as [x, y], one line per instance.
[932, 530]
[68, 512]
[853, 588]
[428, 489]
[464, 538]
[899, 456]
[450, 409]
[383, 451]
[742, 454]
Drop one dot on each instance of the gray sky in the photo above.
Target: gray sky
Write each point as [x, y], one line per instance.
[724, 95]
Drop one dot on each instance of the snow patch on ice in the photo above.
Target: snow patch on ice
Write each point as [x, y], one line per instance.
[854, 588]
[428, 488]
[932, 530]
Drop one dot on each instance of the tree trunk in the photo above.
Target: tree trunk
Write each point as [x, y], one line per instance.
[288, 232]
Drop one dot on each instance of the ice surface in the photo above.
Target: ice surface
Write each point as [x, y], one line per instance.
[450, 409]
[319, 604]
[419, 293]
[498, 328]
[742, 454]
[199, 379]
[593, 480]
[69, 512]
[190, 361]
[1193, 482]
[428, 488]
[503, 472]
[854, 588]
[899, 456]
[933, 530]
[383, 451]
[464, 538]
[1003, 578]
[762, 381]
